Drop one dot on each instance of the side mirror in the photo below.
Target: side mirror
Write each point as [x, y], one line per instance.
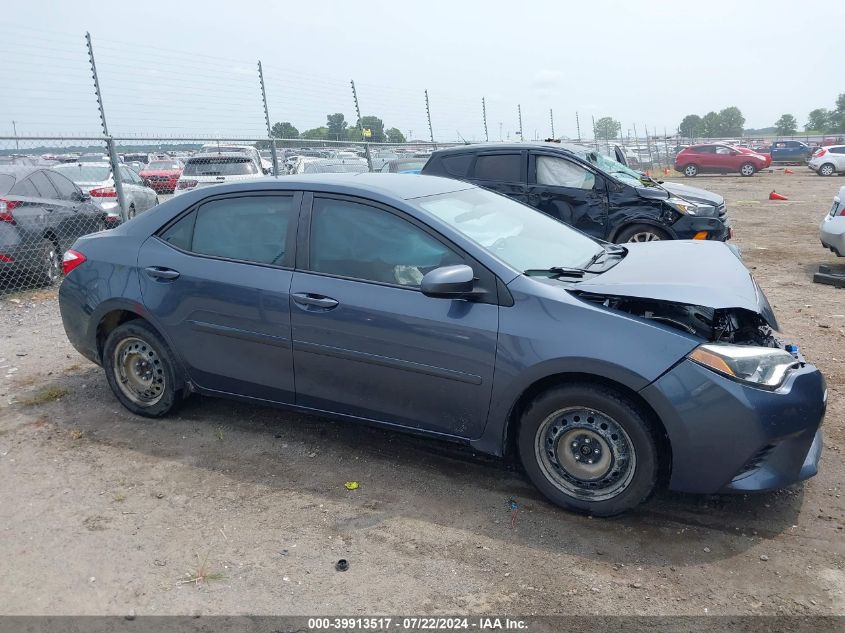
[449, 282]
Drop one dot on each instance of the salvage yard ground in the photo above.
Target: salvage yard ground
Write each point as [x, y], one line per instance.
[230, 508]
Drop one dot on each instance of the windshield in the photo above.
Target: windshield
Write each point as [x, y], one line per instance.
[84, 173]
[617, 170]
[163, 164]
[520, 236]
[220, 166]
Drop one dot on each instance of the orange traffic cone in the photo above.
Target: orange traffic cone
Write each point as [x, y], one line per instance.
[665, 171]
[776, 196]
[788, 171]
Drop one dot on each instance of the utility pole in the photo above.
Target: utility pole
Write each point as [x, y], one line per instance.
[519, 111]
[595, 134]
[578, 125]
[428, 115]
[361, 127]
[267, 120]
[115, 164]
[552, 120]
[483, 115]
[500, 131]
[15, 130]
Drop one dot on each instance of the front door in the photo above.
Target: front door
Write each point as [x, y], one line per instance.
[568, 191]
[217, 283]
[367, 342]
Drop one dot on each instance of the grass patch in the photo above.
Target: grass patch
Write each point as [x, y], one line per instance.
[120, 497]
[218, 433]
[44, 396]
[201, 574]
[76, 434]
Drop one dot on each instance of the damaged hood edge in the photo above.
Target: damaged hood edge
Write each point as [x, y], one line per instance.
[683, 271]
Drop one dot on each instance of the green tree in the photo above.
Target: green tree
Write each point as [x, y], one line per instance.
[353, 134]
[607, 128]
[376, 126]
[711, 125]
[818, 120]
[786, 125]
[837, 117]
[316, 134]
[690, 126]
[731, 122]
[394, 135]
[284, 130]
[336, 124]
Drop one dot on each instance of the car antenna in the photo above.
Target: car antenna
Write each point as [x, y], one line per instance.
[466, 142]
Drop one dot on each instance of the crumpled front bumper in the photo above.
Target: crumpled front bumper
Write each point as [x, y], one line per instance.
[727, 436]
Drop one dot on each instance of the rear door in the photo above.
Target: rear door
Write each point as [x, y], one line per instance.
[569, 191]
[59, 218]
[504, 172]
[87, 217]
[705, 158]
[367, 342]
[217, 281]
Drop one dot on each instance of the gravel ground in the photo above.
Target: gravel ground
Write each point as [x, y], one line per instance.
[102, 512]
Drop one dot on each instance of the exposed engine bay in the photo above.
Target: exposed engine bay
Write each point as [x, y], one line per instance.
[729, 325]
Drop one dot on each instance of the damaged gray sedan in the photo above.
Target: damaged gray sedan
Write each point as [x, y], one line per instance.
[432, 306]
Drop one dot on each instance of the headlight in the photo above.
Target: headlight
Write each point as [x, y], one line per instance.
[682, 206]
[764, 366]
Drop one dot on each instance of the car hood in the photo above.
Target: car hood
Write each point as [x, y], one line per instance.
[692, 272]
[693, 194]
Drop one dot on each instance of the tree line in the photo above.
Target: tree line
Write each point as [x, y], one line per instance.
[729, 122]
[337, 129]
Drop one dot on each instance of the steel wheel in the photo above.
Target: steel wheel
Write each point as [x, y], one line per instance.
[826, 170]
[585, 453]
[138, 370]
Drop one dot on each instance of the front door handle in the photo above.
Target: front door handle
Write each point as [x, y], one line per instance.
[319, 301]
[157, 272]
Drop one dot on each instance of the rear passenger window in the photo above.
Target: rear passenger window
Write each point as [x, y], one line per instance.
[250, 229]
[500, 167]
[457, 165]
[44, 187]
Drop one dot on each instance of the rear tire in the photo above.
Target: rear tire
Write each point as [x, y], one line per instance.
[141, 370]
[641, 233]
[589, 448]
[827, 170]
[691, 170]
[50, 264]
[131, 213]
[747, 169]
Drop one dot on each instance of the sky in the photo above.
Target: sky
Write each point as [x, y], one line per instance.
[189, 68]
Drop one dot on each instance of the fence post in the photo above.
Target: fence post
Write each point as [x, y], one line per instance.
[578, 125]
[595, 134]
[552, 120]
[428, 115]
[648, 146]
[361, 127]
[115, 164]
[484, 116]
[267, 121]
[519, 112]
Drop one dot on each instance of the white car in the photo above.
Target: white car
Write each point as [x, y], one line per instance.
[97, 180]
[203, 170]
[832, 229]
[249, 150]
[330, 166]
[827, 161]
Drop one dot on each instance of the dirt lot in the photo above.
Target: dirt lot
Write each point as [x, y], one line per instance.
[102, 512]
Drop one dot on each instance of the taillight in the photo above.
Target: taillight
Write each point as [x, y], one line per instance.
[6, 207]
[71, 260]
[103, 192]
[821, 152]
[186, 184]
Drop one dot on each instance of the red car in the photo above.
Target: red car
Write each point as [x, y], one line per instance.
[720, 158]
[162, 175]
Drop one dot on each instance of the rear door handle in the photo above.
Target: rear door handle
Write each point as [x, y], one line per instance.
[157, 272]
[319, 301]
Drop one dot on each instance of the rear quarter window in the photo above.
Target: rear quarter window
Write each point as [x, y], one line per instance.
[6, 182]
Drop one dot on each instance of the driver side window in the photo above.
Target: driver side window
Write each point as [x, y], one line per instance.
[558, 172]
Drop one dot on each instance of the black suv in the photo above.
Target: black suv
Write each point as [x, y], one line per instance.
[587, 190]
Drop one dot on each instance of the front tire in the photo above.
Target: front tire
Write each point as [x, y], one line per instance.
[747, 169]
[141, 370]
[691, 170]
[827, 170]
[641, 233]
[589, 448]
